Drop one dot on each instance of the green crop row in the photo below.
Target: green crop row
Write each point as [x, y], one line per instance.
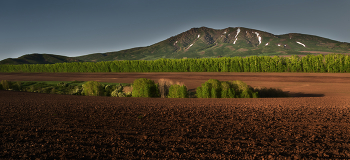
[143, 87]
[90, 88]
[333, 63]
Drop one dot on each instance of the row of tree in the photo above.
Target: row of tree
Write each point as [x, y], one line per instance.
[333, 63]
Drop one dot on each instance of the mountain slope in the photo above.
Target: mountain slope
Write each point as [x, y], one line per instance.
[39, 59]
[239, 41]
[206, 42]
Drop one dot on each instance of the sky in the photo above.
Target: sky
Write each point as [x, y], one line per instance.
[80, 27]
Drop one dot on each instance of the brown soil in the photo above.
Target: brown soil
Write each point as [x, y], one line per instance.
[242, 50]
[48, 126]
[282, 52]
[318, 84]
[231, 48]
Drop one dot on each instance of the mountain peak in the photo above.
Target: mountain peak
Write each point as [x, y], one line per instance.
[207, 42]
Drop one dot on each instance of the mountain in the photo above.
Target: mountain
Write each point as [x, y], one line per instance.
[206, 42]
[39, 59]
[239, 41]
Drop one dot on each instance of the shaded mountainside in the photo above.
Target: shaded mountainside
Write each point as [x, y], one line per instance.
[39, 59]
[206, 42]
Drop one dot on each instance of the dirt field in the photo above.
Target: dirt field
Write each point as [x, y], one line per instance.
[305, 84]
[313, 124]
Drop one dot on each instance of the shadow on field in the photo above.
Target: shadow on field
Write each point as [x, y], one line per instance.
[301, 94]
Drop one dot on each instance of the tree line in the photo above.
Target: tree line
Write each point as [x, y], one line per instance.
[331, 63]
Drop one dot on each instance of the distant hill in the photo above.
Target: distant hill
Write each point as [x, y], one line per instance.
[39, 59]
[206, 42]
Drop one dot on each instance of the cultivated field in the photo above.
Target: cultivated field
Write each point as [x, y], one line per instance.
[306, 84]
[315, 123]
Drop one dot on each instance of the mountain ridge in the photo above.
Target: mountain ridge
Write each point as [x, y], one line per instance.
[206, 42]
[37, 58]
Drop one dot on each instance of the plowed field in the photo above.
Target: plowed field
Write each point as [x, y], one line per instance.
[313, 124]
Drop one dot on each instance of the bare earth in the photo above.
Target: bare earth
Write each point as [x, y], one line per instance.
[315, 123]
[307, 84]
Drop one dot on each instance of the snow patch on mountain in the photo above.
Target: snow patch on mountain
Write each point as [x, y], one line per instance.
[238, 30]
[300, 43]
[175, 42]
[257, 34]
[190, 46]
[198, 35]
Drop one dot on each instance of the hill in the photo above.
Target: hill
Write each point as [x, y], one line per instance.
[39, 59]
[206, 42]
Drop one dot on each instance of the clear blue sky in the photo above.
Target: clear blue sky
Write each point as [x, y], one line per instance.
[80, 27]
